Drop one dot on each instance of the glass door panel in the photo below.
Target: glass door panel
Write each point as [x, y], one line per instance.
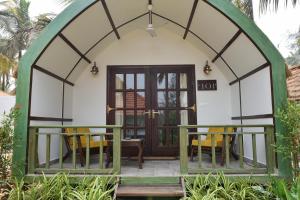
[150, 103]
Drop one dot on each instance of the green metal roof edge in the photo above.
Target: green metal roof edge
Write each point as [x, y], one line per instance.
[23, 82]
[23, 89]
[277, 69]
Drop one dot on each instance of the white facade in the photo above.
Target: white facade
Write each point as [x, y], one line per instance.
[85, 103]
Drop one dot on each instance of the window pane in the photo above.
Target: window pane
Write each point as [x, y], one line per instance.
[183, 80]
[175, 137]
[140, 118]
[119, 100]
[129, 99]
[184, 117]
[140, 99]
[161, 99]
[172, 120]
[161, 81]
[129, 134]
[161, 118]
[183, 99]
[141, 133]
[119, 81]
[119, 117]
[172, 80]
[140, 81]
[129, 81]
[130, 117]
[162, 137]
[172, 99]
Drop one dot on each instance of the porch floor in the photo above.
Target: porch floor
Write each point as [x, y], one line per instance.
[129, 167]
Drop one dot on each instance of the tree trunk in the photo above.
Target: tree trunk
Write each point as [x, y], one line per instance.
[3, 82]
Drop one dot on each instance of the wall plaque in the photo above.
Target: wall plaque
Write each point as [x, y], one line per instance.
[207, 84]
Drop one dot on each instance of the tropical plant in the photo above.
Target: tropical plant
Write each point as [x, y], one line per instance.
[210, 187]
[17, 30]
[264, 5]
[6, 143]
[6, 69]
[61, 187]
[290, 145]
[294, 57]
[285, 191]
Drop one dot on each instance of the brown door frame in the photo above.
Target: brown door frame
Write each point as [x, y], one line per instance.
[149, 71]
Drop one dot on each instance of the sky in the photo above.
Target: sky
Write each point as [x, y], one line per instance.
[277, 26]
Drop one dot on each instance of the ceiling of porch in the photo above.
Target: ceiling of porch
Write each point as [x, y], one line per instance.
[196, 21]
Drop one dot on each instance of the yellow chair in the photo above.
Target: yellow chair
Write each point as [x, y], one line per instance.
[81, 143]
[207, 143]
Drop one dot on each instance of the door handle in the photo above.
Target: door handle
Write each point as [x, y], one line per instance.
[149, 113]
[154, 113]
[192, 108]
[108, 109]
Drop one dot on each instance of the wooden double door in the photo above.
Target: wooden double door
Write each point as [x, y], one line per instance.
[150, 102]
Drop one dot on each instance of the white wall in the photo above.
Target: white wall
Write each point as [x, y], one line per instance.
[86, 101]
[138, 48]
[6, 104]
[46, 101]
[256, 100]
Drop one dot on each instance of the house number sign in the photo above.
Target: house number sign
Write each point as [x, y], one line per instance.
[207, 84]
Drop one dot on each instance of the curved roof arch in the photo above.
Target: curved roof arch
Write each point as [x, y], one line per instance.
[219, 29]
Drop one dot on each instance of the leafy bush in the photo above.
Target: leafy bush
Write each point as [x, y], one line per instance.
[285, 191]
[209, 187]
[290, 146]
[59, 187]
[6, 143]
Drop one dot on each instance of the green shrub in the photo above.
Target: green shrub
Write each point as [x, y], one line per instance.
[209, 187]
[286, 191]
[59, 187]
[290, 145]
[6, 143]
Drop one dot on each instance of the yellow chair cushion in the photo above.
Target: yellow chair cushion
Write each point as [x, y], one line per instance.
[218, 138]
[93, 143]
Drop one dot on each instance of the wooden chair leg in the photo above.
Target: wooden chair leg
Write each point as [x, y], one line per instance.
[192, 153]
[107, 159]
[81, 154]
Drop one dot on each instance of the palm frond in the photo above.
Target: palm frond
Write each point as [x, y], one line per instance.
[264, 5]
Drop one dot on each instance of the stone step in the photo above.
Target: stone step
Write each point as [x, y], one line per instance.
[150, 191]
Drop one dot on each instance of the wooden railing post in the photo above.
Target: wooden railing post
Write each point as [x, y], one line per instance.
[32, 150]
[117, 150]
[269, 149]
[183, 137]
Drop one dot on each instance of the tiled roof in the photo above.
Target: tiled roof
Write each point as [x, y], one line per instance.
[293, 84]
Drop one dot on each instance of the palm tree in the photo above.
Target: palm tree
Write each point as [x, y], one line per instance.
[16, 27]
[6, 66]
[266, 4]
[17, 30]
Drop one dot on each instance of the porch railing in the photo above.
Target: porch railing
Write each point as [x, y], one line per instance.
[35, 167]
[239, 132]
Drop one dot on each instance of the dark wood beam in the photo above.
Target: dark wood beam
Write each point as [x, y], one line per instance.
[74, 48]
[51, 74]
[49, 119]
[264, 116]
[110, 18]
[227, 45]
[190, 19]
[250, 73]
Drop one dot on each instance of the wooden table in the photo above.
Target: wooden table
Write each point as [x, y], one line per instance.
[139, 144]
[136, 143]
